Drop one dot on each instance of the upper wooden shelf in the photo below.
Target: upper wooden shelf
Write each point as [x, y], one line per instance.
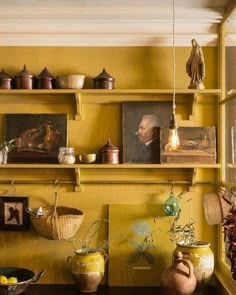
[80, 96]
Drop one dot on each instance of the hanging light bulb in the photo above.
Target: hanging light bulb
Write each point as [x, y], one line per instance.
[173, 138]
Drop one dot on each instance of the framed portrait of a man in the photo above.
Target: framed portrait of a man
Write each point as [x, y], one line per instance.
[143, 123]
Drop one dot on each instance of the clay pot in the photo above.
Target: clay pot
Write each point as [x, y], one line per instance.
[202, 259]
[179, 278]
[109, 153]
[87, 269]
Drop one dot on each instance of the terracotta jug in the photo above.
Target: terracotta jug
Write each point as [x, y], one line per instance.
[179, 278]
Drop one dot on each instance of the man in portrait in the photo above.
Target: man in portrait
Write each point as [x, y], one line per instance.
[148, 133]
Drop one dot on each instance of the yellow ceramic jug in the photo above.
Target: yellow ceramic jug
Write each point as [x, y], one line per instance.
[87, 269]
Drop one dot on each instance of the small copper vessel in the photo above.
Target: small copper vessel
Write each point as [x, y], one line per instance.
[45, 80]
[104, 81]
[24, 80]
[109, 153]
[5, 80]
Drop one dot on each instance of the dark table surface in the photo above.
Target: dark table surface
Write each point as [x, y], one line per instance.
[40, 289]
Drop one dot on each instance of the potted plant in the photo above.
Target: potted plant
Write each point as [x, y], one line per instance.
[184, 236]
[88, 263]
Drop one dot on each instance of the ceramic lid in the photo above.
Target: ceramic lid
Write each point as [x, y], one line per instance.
[5, 76]
[24, 73]
[45, 74]
[104, 76]
[109, 147]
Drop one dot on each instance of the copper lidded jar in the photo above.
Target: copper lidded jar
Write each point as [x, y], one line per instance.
[104, 81]
[109, 153]
[24, 80]
[5, 80]
[45, 80]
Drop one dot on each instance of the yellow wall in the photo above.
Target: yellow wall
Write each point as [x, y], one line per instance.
[132, 67]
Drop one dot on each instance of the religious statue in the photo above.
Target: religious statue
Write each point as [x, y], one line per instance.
[195, 67]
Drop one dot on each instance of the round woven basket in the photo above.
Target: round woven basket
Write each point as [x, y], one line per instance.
[58, 222]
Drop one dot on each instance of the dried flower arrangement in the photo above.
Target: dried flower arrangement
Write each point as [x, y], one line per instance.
[94, 239]
[229, 226]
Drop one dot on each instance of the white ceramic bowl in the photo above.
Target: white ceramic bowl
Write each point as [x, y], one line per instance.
[71, 81]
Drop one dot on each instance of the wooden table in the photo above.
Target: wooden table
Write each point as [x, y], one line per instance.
[39, 289]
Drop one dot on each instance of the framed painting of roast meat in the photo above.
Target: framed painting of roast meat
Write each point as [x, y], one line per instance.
[143, 123]
[37, 137]
[197, 145]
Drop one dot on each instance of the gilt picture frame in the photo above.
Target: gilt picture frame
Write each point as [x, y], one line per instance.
[38, 137]
[135, 150]
[197, 145]
[13, 215]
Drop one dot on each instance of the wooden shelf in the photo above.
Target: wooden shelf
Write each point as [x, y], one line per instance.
[115, 173]
[80, 96]
[107, 166]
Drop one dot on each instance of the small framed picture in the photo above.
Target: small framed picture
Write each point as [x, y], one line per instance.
[13, 216]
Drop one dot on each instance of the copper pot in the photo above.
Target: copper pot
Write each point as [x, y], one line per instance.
[104, 81]
[109, 153]
[45, 80]
[24, 80]
[5, 80]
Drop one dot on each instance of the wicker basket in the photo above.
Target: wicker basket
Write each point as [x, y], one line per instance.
[58, 222]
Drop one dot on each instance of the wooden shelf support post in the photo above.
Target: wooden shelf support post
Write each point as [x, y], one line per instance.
[78, 103]
[78, 187]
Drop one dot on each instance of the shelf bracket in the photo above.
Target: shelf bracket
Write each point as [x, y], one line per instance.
[78, 103]
[78, 187]
[194, 105]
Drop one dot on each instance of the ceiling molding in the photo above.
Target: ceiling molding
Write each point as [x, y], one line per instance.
[104, 40]
[88, 23]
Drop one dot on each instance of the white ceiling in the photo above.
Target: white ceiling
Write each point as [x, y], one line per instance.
[109, 23]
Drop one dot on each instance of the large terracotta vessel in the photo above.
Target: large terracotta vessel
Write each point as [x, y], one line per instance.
[179, 278]
[201, 257]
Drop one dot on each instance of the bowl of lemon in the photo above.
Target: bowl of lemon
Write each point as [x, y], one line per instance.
[15, 280]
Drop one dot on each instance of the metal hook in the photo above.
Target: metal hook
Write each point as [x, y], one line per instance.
[12, 185]
[57, 185]
[172, 185]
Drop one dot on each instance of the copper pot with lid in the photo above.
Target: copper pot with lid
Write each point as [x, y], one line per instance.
[5, 80]
[45, 80]
[104, 81]
[109, 153]
[24, 80]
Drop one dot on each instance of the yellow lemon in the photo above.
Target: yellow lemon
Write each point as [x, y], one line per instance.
[3, 280]
[12, 280]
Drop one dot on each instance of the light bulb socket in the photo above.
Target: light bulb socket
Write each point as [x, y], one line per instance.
[173, 123]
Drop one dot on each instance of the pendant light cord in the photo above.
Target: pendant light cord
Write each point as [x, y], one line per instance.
[173, 54]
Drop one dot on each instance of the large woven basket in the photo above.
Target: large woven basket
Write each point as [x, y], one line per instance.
[58, 222]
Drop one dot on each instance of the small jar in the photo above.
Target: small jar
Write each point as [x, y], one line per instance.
[104, 81]
[24, 79]
[66, 155]
[109, 153]
[45, 80]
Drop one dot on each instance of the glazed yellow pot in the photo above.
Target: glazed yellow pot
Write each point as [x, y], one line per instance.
[202, 258]
[87, 269]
